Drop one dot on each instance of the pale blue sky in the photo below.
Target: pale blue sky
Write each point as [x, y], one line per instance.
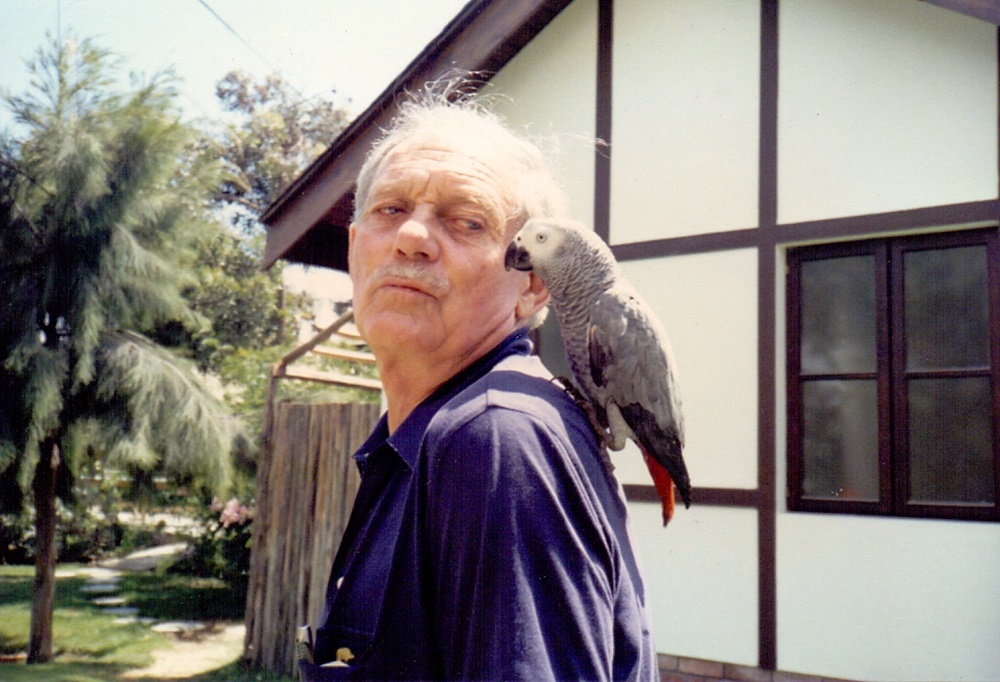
[355, 47]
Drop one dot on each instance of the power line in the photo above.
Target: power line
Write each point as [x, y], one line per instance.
[204, 3]
[236, 33]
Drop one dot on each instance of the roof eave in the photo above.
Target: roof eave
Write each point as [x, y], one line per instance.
[984, 10]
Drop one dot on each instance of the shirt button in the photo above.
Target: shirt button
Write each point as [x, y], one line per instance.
[340, 581]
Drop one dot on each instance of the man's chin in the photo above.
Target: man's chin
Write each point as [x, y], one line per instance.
[390, 329]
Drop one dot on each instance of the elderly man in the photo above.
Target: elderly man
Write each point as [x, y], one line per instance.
[488, 540]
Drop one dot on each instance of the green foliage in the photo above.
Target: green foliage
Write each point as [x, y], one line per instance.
[275, 133]
[244, 305]
[107, 244]
[221, 548]
[170, 413]
[16, 538]
[87, 530]
[100, 202]
[271, 134]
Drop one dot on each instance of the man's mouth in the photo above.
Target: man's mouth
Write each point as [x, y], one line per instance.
[406, 285]
[411, 278]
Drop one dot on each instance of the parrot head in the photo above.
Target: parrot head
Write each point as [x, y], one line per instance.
[535, 243]
[559, 251]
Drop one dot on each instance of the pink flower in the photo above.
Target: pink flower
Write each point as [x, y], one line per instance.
[233, 513]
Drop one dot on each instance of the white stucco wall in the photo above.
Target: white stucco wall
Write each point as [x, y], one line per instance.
[708, 304]
[701, 575]
[685, 123]
[888, 599]
[883, 106]
[549, 91]
[702, 569]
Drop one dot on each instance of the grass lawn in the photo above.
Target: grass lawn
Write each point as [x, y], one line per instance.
[90, 646]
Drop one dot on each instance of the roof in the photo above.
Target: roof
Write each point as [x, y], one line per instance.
[308, 222]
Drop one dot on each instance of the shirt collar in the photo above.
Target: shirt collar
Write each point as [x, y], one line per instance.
[406, 439]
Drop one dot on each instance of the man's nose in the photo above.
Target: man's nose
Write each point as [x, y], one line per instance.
[416, 236]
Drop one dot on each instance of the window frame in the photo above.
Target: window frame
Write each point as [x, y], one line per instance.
[890, 374]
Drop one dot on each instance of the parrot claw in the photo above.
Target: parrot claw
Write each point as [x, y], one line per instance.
[606, 458]
[603, 437]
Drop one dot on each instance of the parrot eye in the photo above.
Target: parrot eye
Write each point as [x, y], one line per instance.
[540, 238]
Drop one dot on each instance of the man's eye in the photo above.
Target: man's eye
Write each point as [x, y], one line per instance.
[469, 225]
[390, 210]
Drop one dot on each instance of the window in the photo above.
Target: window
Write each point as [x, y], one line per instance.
[893, 384]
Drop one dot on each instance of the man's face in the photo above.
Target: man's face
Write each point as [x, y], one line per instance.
[426, 257]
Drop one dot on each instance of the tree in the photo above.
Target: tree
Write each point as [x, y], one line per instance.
[242, 305]
[270, 133]
[93, 210]
[276, 133]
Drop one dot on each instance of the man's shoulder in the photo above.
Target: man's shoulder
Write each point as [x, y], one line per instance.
[519, 388]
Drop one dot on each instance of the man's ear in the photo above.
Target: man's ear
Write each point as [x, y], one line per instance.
[534, 297]
[350, 244]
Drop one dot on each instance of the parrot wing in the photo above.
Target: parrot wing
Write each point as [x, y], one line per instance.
[631, 361]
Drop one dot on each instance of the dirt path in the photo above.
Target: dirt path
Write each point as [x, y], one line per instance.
[188, 657]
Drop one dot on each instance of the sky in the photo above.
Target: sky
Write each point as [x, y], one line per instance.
[348, 49]
[353, 48]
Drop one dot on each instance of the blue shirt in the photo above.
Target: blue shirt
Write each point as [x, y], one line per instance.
[488, 541]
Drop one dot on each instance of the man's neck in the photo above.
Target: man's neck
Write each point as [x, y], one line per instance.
[408, 379]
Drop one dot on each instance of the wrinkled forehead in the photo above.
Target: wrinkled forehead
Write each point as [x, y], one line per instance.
[480, 168]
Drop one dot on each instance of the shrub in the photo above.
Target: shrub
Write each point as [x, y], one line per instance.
[222, 548]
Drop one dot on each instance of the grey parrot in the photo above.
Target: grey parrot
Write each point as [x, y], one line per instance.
[618, 351]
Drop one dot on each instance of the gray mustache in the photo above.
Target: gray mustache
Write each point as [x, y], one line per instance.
[429, 280]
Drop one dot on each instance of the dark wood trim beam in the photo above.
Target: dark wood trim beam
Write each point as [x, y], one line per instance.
[689, 244]
[602, 124]
[707, 497]
[866, 225]
[767, 274]
[767, 358]
[970, 213]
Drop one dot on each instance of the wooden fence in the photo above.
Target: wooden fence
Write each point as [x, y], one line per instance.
[306, 483]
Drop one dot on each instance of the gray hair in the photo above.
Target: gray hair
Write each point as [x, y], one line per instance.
[447, 109]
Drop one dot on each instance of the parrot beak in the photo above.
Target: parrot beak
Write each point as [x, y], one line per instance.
[516, 258]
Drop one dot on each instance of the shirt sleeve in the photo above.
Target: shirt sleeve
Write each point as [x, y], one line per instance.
[522, 566]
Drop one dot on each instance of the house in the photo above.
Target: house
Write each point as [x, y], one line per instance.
[806, 191]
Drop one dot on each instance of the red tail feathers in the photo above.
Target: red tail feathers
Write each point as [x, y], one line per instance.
[664, 486]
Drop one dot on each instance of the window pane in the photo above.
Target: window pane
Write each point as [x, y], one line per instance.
[838, 315]
[841, 440]
[947, 308]
[951, 443]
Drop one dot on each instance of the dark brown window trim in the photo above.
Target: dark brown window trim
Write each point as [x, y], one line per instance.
[890, 376]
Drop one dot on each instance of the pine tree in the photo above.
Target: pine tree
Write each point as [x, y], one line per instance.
[95, 201]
